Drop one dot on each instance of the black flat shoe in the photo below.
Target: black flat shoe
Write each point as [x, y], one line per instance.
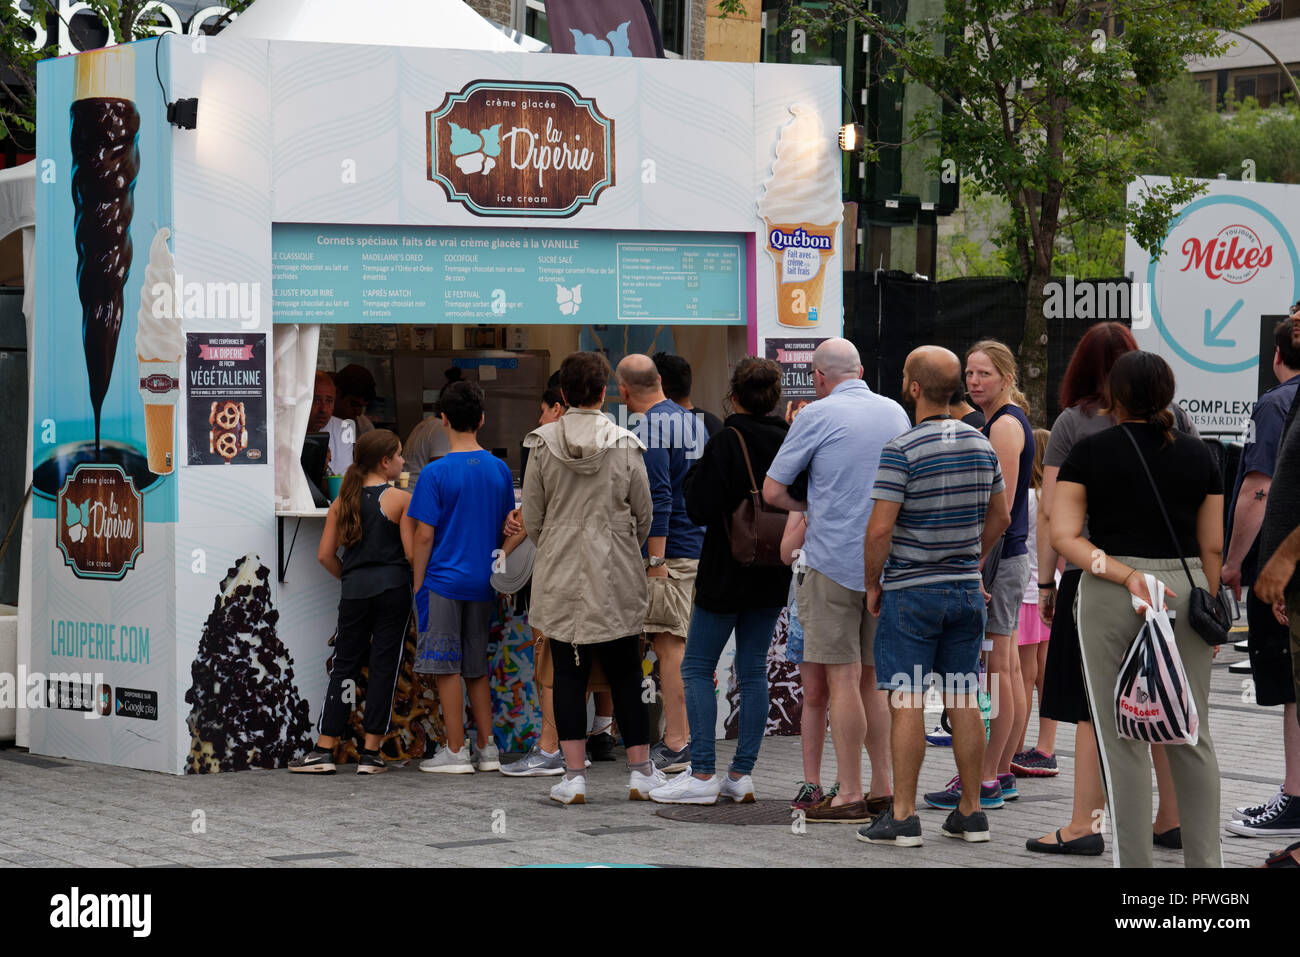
[1090, 845]
[1171, 838]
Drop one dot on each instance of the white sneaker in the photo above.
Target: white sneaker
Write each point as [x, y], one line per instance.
[488, 758]
[570, 790]
[448, 761]
[741, 791]
[686, 788]
[640, 785]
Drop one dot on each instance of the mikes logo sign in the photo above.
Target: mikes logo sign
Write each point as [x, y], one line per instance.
[1235, 254]
[100, 532]
[520, 149]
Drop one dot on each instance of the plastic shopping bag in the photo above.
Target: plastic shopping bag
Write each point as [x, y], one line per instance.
[1152, 700]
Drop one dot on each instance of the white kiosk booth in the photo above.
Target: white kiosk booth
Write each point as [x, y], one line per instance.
[184, 274]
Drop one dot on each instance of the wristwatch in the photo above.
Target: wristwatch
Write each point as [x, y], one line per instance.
[1046, 587]
[657, 560]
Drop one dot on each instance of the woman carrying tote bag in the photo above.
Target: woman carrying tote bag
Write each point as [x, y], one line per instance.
[1104, 480]
[728, 594]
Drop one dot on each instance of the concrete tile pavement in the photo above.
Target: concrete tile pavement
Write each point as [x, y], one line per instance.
[56, 813]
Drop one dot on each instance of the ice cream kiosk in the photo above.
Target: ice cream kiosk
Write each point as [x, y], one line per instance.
[206, 206]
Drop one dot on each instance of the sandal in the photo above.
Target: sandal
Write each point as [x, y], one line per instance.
[1090, 845]
[1290, 857]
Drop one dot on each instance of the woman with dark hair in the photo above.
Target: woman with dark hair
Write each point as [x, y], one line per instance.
[1104, 482]
[368, 521]
[1064, 695]
[587, 507]
[728, 595]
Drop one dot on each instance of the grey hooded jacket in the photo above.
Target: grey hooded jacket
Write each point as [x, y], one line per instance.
[586, 505]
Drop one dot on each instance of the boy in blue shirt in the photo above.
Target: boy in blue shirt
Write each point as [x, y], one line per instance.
[459, 508]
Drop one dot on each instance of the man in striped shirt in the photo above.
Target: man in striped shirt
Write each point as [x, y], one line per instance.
[938, 510]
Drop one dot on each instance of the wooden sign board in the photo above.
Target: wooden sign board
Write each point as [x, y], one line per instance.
[100, 531]
[502, 148]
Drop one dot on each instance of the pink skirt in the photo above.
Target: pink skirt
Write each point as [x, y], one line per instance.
[1031, 630]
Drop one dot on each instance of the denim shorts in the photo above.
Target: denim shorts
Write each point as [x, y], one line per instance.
[794, 636]
[930, 634]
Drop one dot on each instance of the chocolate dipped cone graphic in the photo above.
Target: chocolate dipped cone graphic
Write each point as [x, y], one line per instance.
[105, 164]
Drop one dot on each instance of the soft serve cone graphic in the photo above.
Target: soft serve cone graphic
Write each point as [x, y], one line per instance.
[159, 343]
[803, 210]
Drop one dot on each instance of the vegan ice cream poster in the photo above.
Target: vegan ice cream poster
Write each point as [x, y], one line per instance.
[104, 212]
[225, 390]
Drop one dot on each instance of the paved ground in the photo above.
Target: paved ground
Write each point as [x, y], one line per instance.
[59, 813]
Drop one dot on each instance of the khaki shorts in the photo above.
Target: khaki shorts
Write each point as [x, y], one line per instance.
[544, 667]
[671, 598]
[837, 628]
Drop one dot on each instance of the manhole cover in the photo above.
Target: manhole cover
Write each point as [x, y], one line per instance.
[728, 812]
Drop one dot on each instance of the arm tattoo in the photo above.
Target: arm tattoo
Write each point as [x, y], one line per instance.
[1259, 495]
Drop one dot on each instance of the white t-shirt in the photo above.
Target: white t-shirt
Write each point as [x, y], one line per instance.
[1031, 588]
[340, 450]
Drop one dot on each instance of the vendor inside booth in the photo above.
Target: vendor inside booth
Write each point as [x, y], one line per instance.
[315, 240]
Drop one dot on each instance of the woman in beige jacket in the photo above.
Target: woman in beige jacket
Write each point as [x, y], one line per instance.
[587, 506]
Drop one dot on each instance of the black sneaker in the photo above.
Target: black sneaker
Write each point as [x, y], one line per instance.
[971, 828]
[668, 760]
[1281, 818]
[600, 747]
[314, 761]
[885, 830]
[1255, 810]
[371, 763]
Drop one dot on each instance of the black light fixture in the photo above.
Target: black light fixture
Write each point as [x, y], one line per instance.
[184, 113]
[853, 137]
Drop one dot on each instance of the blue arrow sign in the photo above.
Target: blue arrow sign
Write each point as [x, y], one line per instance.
[1212, 329]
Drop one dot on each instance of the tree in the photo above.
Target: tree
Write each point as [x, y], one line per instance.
[122, 20]
[1244, 140]
[1044, 103]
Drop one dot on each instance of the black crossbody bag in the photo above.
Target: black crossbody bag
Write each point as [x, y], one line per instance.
[1207, 613]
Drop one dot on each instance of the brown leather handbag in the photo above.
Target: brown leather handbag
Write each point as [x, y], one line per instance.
[756, 528]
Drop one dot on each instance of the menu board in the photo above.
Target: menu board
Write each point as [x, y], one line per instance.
[424, 275]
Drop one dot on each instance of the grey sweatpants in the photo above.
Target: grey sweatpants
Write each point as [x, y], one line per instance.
[1107, 626]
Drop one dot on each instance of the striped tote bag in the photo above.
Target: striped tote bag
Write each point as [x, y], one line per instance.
[1152, 700]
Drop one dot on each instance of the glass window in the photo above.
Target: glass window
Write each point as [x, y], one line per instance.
[674, 21]
[535, 21]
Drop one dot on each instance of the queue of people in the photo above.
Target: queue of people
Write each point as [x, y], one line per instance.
[941, 542]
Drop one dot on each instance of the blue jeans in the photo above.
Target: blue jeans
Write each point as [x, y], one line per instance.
[930, 634]
[708, 635]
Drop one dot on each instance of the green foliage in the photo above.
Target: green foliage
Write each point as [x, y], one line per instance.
[1194, 139]
[1044, 103]
[979, 246]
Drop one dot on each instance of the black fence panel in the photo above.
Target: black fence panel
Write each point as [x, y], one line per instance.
[888, 314]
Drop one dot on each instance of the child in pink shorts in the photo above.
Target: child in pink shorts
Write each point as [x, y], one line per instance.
[1032, 635]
